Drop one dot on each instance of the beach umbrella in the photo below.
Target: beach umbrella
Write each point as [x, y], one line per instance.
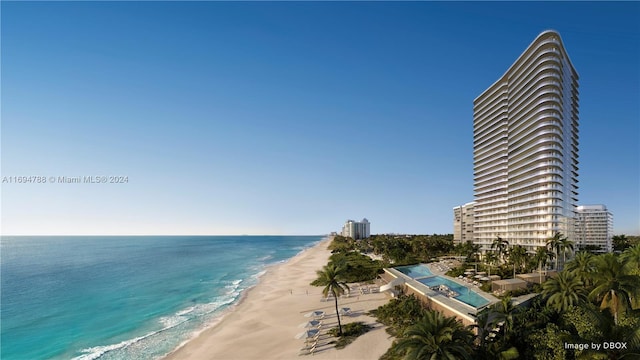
[307, 334]
[478, 276]
[310, 324]
[317, 313]
[468, 272]
[484, 278]
[345, 311]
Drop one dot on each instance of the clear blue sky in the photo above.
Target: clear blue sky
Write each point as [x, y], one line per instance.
[288, 117]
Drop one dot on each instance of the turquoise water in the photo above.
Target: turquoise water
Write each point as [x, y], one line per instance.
[467, 295]
[415, 271]
[425, 276]
[124, 297]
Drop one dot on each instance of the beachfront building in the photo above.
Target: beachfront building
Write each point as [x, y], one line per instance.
[356, 230]
[525, 149]
[594, 227]
[463, 223]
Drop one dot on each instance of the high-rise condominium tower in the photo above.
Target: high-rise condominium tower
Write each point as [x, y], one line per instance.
[525, 149]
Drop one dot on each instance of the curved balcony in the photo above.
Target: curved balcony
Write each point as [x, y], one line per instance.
[550, 158]
[535, 173]
[489, 129]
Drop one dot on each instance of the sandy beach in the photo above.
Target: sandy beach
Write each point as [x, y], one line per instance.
[265, 323]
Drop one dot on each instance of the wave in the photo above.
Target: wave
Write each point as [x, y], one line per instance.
[97, 351]
[265, 258]
[230, 287]
[168, 322]
[259, 275]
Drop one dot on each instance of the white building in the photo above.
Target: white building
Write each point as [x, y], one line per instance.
[463, 223]
[594, 226]
[525, 149]
[357, 230]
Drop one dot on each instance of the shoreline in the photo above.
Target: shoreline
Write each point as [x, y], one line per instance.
[243, 296]
[264, 321]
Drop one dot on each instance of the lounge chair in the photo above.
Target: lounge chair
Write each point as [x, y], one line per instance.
[309, 349]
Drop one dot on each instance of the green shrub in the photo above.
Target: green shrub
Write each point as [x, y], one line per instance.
[400, 313]
[349, 333]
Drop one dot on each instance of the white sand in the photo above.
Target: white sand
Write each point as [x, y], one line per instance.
[264, 324]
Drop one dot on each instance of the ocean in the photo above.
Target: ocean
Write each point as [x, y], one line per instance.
[124, 297]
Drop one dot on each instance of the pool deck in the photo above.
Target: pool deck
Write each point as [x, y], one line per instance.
[466, 312]
[492, 299]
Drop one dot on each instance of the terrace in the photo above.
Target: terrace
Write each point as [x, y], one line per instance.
[458, 299]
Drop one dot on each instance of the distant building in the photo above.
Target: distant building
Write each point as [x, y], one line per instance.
[357, 230]
[594, 226]
[463, 223]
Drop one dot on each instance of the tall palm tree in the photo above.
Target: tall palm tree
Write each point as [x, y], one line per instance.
[565, 245]
[615, 288]
[541, 257]
[554, 243]
[517, 255]
[436, 337]
[331, 277]
[490, 258]
[564, 291]
[501, 246]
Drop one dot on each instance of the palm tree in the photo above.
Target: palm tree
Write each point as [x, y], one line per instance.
[501, 246]
[436, 337]
[582, 266]
[506, 312]
[331, 277]
[541, 256]
[620, 243]
[517, 254]
[486, 326]
[565, 244]
[615, 288]
[631, 257]
[490, 258]
[488, 346]
[475, 252]
[564, 291]
[554, 243]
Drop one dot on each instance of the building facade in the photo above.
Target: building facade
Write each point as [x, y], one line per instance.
[594, 227]
[357, 230]
[525, 143]
[463, 223]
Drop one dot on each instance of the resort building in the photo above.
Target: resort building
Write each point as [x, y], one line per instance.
[525, 149]
[356, 230]
[463, 223]
[594, 226]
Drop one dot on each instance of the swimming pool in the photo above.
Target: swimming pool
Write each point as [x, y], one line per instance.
[467, 295]
[415, 271]
[423, 275]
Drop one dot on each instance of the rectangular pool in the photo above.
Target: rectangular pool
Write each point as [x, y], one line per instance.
[467, 295]
[415, 271]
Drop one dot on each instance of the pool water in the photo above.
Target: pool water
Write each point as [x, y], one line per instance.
[467, 295]
[415, 271]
